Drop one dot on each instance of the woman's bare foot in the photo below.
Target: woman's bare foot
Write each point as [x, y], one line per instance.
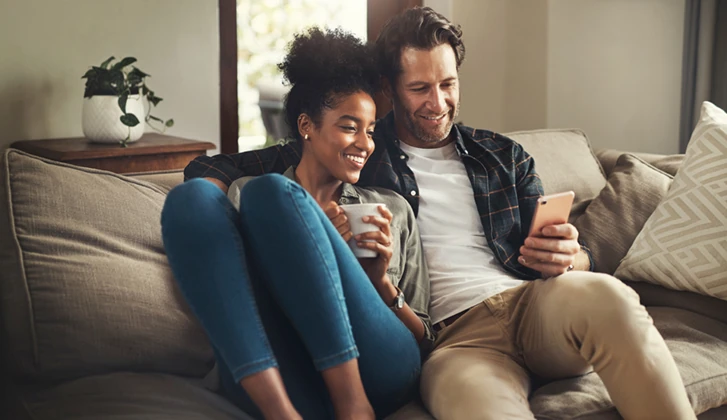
[357, 413]
[281, 413]
[267, 391]
[347, 392]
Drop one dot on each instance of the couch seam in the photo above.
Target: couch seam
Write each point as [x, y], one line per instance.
[19, 250]
[707, 379]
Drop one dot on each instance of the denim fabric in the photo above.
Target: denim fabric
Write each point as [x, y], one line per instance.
[276, 285]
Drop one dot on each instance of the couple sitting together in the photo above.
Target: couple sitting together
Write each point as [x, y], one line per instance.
[461, 305]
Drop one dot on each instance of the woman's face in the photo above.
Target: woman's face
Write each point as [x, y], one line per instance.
[342, 142]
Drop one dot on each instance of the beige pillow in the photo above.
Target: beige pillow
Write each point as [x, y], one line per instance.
[614, 218]
[85, 287]
[564, 161]
[683, 245]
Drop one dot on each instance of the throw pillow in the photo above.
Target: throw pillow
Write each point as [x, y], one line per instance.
[86, 288]
[614, 218]
[683, 245]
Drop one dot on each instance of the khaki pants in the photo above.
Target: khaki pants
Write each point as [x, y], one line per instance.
[561, 327]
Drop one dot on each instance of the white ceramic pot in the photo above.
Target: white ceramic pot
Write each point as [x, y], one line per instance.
[100, 119]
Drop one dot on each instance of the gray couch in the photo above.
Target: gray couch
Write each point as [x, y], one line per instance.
[93, 327]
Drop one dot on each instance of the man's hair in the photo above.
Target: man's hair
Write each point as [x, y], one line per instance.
[324, 67]
[420, 28]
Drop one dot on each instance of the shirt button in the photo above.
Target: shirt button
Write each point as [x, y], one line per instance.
[402, 157]
[413, 193]
[344, 200]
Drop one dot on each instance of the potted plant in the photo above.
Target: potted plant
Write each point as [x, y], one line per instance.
[113, 106]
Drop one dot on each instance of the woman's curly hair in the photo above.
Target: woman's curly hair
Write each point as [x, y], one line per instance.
[324, 67]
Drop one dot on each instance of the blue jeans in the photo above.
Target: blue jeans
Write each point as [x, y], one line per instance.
[276, 285]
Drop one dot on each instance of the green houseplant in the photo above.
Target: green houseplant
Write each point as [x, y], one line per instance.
[113, 108]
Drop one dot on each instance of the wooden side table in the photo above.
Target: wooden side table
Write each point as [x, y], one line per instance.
[153, 152]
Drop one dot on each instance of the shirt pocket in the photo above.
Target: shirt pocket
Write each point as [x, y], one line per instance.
[395, 265]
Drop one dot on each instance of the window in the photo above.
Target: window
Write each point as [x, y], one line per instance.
[253, 38]
[264, 28]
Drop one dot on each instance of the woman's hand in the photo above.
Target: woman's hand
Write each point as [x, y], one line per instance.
[382, 243]
[339, 220]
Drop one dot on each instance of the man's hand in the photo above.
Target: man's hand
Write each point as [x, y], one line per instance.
[555, 251]
[376, 268]
[339, 220]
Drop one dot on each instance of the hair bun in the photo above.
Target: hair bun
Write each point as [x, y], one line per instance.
[318, 57]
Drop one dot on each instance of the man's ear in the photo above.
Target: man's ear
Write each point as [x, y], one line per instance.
[387, 89]
[305, 125]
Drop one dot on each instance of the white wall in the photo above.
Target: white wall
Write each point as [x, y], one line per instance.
[614, 70]
[483, 72]
[46, 46]
[609, 67]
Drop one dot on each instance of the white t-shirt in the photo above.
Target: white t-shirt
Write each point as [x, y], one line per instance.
[463, 270]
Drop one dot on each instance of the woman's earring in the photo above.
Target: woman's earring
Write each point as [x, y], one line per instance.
[305, 137]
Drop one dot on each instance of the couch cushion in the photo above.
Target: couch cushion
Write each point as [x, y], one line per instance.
[699, 346]
[130, 396]
[683, 245]
[85, 284]
[564, 161]
[614, 218]
[667, 163]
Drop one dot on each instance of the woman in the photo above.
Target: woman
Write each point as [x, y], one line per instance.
[300, 327]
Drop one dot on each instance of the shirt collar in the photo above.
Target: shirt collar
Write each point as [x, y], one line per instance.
[348, 190]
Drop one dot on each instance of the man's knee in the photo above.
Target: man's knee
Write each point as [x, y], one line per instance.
[599, 297]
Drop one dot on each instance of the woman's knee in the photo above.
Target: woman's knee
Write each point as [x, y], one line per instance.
[195, 202]
[265, 187]
[266, 194]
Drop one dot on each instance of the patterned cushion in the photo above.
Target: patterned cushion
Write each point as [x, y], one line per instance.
[683, 245]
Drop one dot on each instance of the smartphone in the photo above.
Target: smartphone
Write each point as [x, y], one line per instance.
[551, 209]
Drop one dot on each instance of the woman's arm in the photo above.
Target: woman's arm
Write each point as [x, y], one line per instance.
[406, 314]
[414, 279]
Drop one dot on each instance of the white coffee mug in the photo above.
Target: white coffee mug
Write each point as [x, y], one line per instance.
[355, 214]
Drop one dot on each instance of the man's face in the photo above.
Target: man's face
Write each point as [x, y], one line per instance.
[426, 96]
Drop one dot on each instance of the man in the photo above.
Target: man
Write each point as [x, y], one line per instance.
[505, 305]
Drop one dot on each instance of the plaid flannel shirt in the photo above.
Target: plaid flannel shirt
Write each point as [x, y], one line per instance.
[504, 182]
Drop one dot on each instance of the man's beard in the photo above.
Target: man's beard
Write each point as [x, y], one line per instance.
[429, 135]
